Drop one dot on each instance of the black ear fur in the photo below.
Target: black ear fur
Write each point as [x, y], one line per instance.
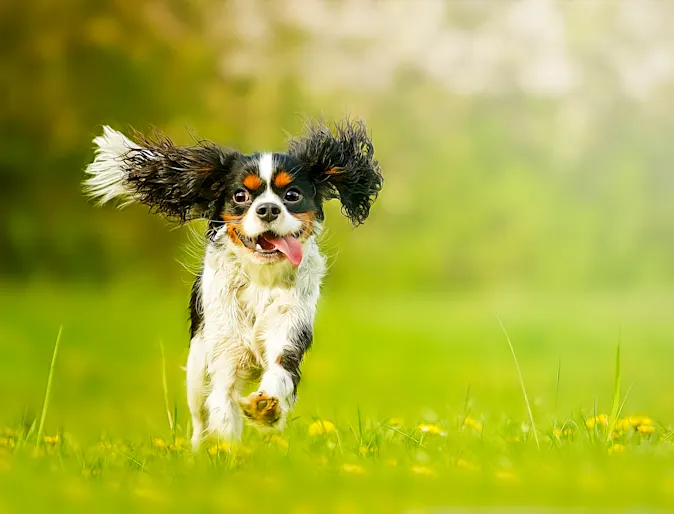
[343, 164]
[179, 182]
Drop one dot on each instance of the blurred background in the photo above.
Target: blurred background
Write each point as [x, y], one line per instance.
[527, 151]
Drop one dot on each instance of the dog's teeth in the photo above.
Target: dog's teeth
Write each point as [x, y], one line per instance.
[258, 247]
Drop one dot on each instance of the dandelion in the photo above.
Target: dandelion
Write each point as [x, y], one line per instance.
[396, 422]
[321, 427]
[616, 448]
[6, 442]
[179, 445]
[218, 448]
[421, 470]
[365, 450]
[633, 422]
[636, 421]
[279, 441]
[52, 440]
[352, 468]
[472, 423]
[601, 420]
[646, 429]
[623, 424]
[431, 429]
[159, 443]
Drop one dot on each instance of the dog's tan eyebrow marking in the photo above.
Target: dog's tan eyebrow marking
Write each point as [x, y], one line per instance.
[252, 182]
[282, 179]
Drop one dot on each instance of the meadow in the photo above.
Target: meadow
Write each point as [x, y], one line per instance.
[407, 404]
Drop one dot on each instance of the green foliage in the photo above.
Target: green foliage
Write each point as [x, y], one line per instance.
[501, 191]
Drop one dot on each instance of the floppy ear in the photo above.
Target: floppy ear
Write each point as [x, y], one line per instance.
[343, 165]
[179, 182]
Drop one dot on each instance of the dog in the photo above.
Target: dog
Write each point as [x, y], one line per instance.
[253, 303]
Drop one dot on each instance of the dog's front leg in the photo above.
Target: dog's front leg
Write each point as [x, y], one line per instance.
[224, 415]
[285, 340]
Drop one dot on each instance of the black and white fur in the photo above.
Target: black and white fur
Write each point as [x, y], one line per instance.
[253, 303]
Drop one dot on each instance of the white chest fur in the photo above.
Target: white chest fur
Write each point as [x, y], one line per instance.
[243, 304]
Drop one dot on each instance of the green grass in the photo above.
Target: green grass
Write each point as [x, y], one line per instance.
[425, 398]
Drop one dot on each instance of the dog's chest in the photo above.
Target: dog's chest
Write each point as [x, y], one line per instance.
[236, 308]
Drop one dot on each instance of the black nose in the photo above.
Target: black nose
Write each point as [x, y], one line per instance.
[268, 211]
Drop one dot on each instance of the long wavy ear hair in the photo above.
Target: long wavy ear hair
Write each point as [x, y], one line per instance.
[181, 182]
[343, 165]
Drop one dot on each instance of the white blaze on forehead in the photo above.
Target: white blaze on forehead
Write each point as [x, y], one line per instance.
[266, 167]
[286, 223]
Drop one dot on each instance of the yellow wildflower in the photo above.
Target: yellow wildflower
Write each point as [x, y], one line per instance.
[472, 423]
[365, 450]
[421, 470]
[279, 441]
[218, 448]
[53, 440]
[646, 429]
[396, 422]
[636, 421]
[6, 442]
[352, 468]
[559, 433]
[431, 429]
[321, 427]
[616, 448]
[179, 444]
[602, 420]
[158, 442]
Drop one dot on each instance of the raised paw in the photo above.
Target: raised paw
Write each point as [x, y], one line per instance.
[261, 409]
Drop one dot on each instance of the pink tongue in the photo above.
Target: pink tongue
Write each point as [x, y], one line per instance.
[288, 245]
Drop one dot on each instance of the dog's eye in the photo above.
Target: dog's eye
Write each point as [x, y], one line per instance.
[241, 196]
[293, 195]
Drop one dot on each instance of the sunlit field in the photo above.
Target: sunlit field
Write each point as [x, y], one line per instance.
[498, 333]
[405, 403]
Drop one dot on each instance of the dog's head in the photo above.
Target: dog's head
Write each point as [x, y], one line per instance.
[264, 205]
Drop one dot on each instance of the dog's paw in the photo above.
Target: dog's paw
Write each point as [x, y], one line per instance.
[261, 409]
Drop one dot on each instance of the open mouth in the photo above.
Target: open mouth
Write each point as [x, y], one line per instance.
[271, 246]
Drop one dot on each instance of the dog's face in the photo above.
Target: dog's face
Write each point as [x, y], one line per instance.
[270, 208]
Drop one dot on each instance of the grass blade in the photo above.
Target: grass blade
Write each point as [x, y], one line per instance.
[165, 386]
[559, 375]
[616, 397]
[47, 394]
[524, 389]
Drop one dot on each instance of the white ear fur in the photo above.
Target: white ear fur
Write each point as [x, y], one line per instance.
[107, 171]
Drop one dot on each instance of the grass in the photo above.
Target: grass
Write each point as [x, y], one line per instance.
[406, 404]
[47, 394]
